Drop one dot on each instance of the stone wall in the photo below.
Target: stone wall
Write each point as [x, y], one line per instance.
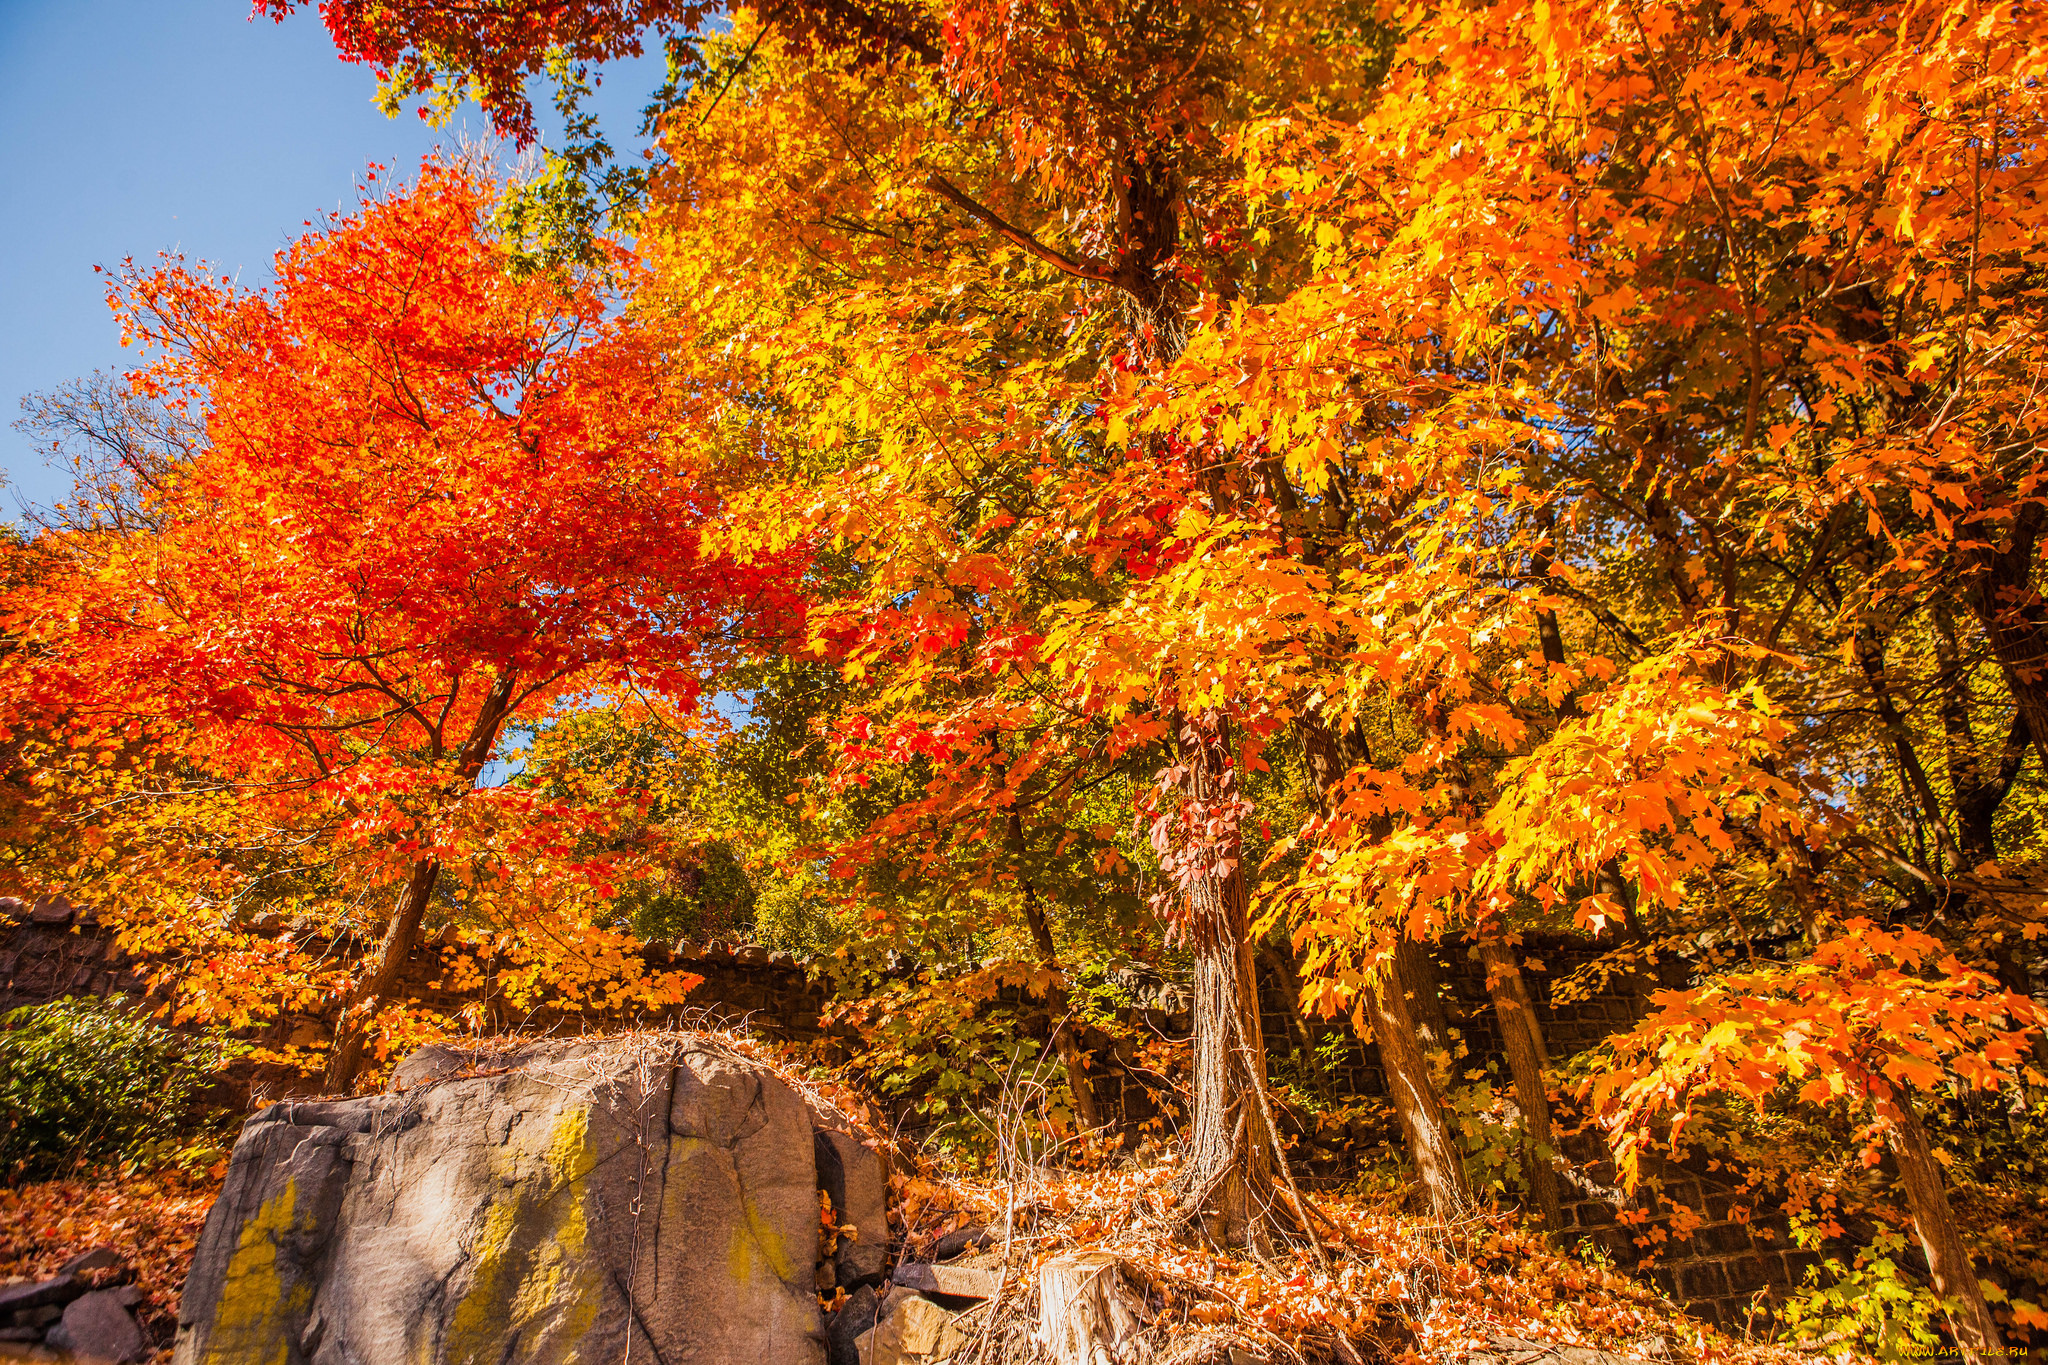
[52, 950]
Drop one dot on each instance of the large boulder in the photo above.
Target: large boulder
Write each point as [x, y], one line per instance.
[572, 1201]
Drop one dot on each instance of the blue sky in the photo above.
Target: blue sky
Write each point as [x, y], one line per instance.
[140, 126]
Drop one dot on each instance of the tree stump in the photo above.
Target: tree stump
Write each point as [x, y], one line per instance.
[1087, 1314]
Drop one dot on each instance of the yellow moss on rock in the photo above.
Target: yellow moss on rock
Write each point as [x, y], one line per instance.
[756, 1245]
[250, 1322]
[534, 1280]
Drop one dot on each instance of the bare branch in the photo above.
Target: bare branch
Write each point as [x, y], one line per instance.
[1058, 260]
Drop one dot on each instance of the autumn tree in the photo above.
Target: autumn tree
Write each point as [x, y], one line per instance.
[427, 501]
[1603, 437]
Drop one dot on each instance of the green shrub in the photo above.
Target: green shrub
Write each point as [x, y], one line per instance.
[84, 1081]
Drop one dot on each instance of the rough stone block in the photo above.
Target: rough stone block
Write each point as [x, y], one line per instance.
[1725, 1239]
[52, 910]
[949, 1281]
[1702, 1281]
[582, 1196]
[99, 1327]
[911, 1329]
[20, 1298]
[856, 1177]
[854, 1318]
[1747, 1274]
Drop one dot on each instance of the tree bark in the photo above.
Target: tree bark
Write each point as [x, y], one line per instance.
[352, 1031]
[1948, 1260]
[401, 931]
[1406, 1010]
[1230, 1164]
[1522, 1041]
[2015, 619]
[1085, 1310]
[1424, 987]
[1438, 1166]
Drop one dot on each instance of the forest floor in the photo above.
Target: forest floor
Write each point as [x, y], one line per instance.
[151, 1219]
[1380, 1285]
[1396, 1288]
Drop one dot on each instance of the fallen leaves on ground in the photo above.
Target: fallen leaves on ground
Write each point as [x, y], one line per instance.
[152, 1220]
[1394, 1287]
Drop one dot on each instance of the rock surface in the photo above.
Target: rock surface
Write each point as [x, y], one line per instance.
[846, 1327]
[67, 1314]
[911, 1329]
[856, 1176]
[17, 1298]
[98, 1326]
[568, 1201]
[949, 1281]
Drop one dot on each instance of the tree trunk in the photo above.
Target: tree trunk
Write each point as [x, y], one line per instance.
[1230, 1165]
[352, 1031]
[1424, 984]
[1437, 1162]
[1056, 1002]
[402, 929]
[1522, 1040]
[1085, 1309]
[2014, 618]
[1406, 1010]
[1948, 1260]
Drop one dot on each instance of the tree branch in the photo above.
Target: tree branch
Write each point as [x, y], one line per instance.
[1058, 260]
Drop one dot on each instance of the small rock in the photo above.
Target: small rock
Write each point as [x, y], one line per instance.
[268, 926]
[949, 1281]
[753, 955]
[15, 1334]
[42, 1317]
[960, 1241]
[57, 1339]
[823, 1279]
[63, 1289]
[96, 1325]
[99, 1258]
[13, 907]
[131, 1296]
[911, 1328]
[854, 1318]
[782, 959]
[52, 909]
